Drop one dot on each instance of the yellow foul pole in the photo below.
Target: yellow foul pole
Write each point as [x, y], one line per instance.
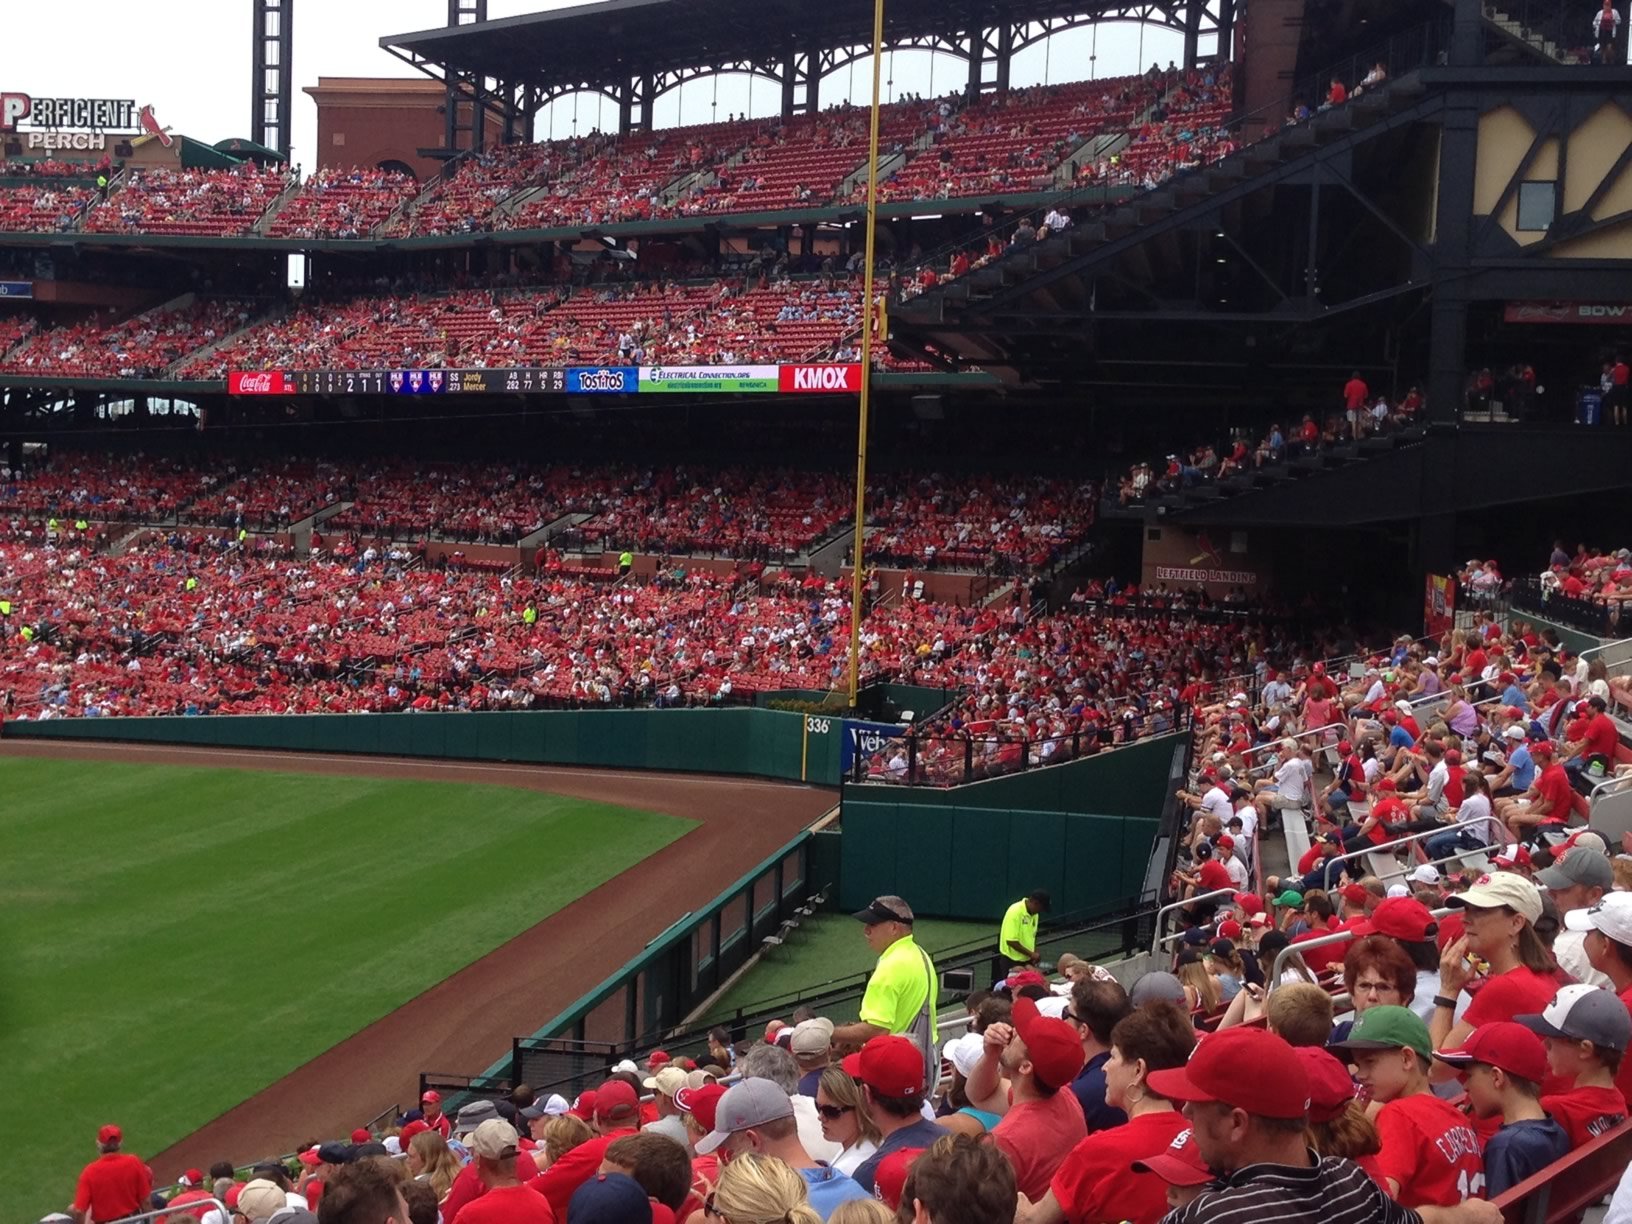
[858, 555]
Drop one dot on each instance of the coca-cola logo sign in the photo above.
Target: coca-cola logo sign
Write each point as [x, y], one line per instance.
[258, 382]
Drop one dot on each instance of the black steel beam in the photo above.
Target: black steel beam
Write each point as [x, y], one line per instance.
[272, 74]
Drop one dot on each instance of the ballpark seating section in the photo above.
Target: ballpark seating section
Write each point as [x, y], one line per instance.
[139, 347]
[341, 204]
[208, 203]
[42, 208]
[1012, 143]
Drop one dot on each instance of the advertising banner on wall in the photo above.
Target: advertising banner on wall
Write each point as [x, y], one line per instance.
[863, 740]
[712, 379]
[1439, 605]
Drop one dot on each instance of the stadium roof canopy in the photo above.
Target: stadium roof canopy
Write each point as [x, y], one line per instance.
[616, 39]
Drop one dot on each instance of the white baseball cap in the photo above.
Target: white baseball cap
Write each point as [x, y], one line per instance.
[1426, 873]
[1612, 915]
[1515, 732]
[1398, 890]
[1502, 888]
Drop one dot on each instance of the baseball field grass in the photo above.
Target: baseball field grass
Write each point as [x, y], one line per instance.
[172, 940]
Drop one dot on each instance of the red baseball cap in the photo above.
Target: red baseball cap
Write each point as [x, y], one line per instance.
[890, 1177]
[1250, 903]
[701, 1103]
[1388, 784]
[311, 1159]
[233, 1191]
[1353, 893]
[1229, 929]
[584, 1106]
[1516, 854]
[657, 1058]
[430, 1097]
[1505, 1044]
[1330, 1088]
[1542, 748]
[1179, 1164]
[1226, 841]
[1245, 1068]
[194, 1177]
[1403, 918]
[417, 1127]
[1053, 1046]
[110, 1134]
[615, 1098]
[892, 1066]
[361, 1135]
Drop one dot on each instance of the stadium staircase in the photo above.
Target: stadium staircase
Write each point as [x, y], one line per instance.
[289, 192]
[175, 368]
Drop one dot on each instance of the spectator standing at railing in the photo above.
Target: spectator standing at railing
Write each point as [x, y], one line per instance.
[114, 1185]
[1606, 29]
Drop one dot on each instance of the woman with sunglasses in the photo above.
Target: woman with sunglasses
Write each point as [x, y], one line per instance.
[845, 1120]
[755, 1189]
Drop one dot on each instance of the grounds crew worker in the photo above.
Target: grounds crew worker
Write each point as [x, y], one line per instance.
[901, 994]
[626, 562]
[1017, 938]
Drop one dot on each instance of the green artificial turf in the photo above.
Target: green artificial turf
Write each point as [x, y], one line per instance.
[173, 940]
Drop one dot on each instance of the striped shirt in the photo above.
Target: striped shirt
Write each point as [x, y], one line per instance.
[1333, 1191]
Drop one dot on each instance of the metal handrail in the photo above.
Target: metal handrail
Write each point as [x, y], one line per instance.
[1320, 941]
[1402, 841]
[1609, 785]
[1161, 914]
[162, 1212]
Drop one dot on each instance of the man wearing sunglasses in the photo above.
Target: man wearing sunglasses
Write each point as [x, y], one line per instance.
[901, 994]
[757, 1116]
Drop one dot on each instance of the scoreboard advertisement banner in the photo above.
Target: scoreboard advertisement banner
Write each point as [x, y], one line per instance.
[755, 378]
[820, 378]
[16, 289]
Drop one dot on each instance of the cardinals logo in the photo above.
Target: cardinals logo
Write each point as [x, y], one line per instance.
[150, 125]
[1208, 552]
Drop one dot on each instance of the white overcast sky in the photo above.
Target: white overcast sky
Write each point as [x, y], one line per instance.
[190, 59]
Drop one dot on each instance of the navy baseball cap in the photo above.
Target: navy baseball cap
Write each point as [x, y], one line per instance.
[610, 1198]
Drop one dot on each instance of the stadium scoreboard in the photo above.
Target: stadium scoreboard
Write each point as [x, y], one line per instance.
[426, 382]
[803, 379]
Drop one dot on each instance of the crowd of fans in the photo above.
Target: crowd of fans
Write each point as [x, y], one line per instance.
[211, 203]
[111, 345]
[720, 322]
[333, 203]
[44, 207]
[1364, 413]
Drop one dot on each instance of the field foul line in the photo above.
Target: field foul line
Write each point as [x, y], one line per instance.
[430, 763]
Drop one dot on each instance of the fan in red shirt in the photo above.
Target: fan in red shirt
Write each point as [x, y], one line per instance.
[1586, 1030]
[1498, 914]
[505, 1200]
[1430, 1154]
[113, 1185]
[1041, 1056]
[1096, 1181]
[430, 1105]
[617, 1113]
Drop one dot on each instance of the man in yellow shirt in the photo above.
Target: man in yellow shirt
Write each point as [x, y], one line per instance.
[1017, 938]
[901, 994]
